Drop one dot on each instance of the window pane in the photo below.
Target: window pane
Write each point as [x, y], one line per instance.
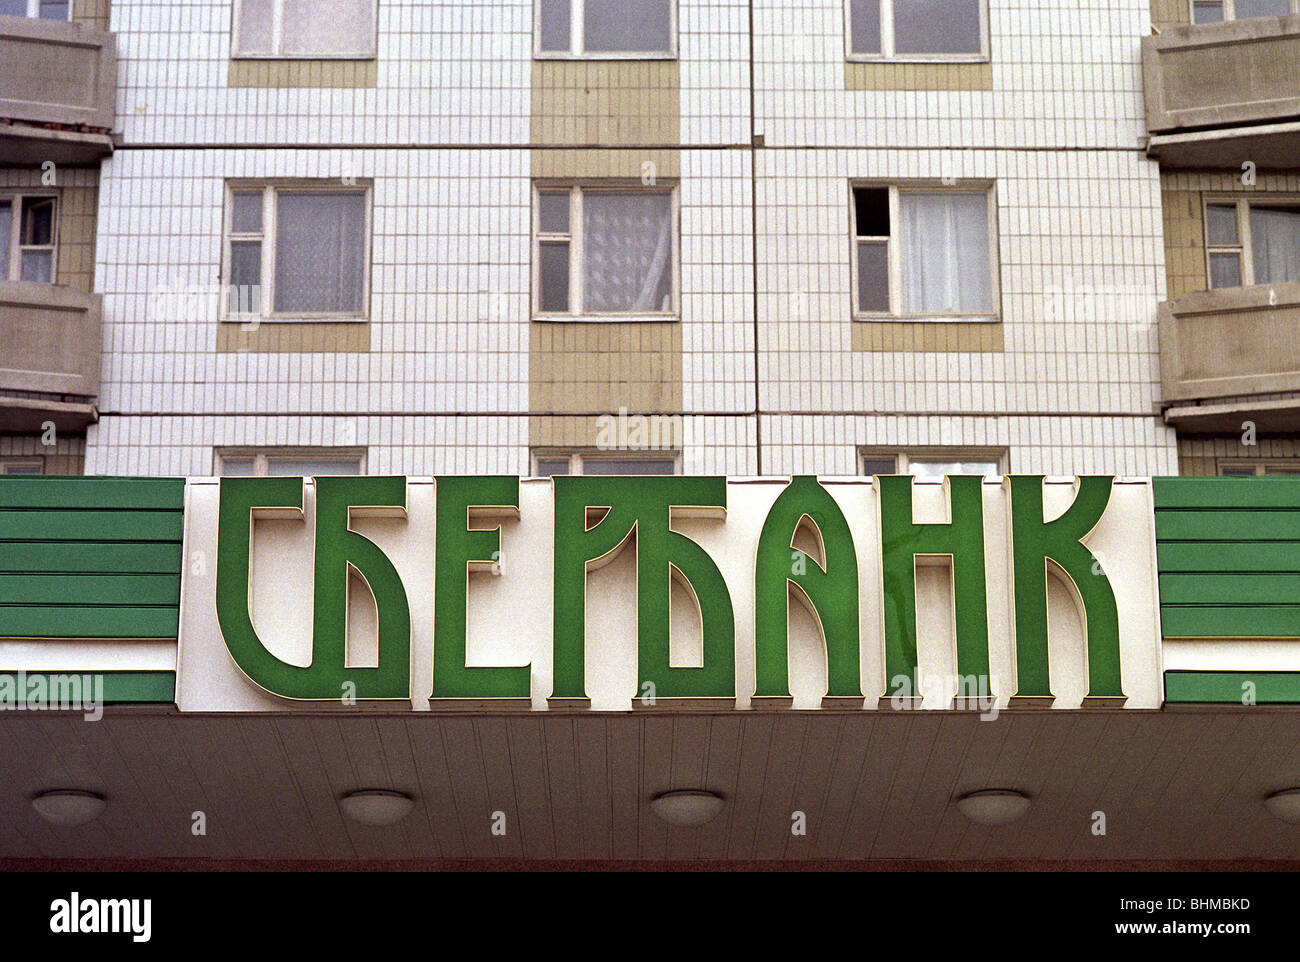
[319, 253]
[864, 26]
[625, 466]
[873, 276]
[6, 226]
[245, 278]
[553, 28]
[1237, 472]
[310, 467]
[1225, 270]
[328, 27]
[553, 213]
[555, 277]
[1209, 12]
[246, 213]
[874, 465]
[871, 211]
[54, 9]
[937, 469]
[548, 467]
[1262, 8]
[627, 25]
[1277, 470]
[254, 26]
[38, 222]
[1221, 224]
[38, 266]
[937, 26]
[627, 252]
[945, 253]
[1275, 243]
[13, 8]
[21, 467]
[237, 467]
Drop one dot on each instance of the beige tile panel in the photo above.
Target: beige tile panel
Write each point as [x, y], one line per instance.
[562, 164]
[917, 76]
[316, 337]
[302, 73]
[1198, 457]
[602, 366]
[582, 102]
[93, 13]
[1170, 13]
[923, 336]
[76, 246]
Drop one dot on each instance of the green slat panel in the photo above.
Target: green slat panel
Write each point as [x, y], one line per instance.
[1228, 589]
[1228, 525]
[1226, 687]
[1279, 621]
[83, 493]
[1226, 493]
[37, 621]
[91, 589]
[1221, 556]
[146, 557]
[140, 687]
[90, 525]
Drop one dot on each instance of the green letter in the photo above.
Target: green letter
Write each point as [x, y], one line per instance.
[338, 549]
[459, 550]
[962, 540]
[1036, 543]
[641, 507]
[831, 594]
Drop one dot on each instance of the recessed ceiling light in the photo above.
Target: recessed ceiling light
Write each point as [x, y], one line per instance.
[1284, 804]
[374, 806]
[68, 806]
[995, 806]
[686, 808]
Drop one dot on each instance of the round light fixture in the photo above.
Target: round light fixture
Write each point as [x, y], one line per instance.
[68, 806]
[1284, 804]
[686, 808]
[374, 806]
[995, 806]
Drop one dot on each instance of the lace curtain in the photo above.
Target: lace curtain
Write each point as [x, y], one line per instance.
[319, 253]
[627, 248]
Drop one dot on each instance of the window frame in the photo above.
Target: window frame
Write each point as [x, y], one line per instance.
[277, 37]
[263, 456]
[13, 258]
[271, 189]
[576, 38]
[578, 456]
[10, 461]
[888, 40]
[1230, 12]
[904, 457]
[1259, 467]
[1244, 246]
[576, 252]
[895, 254]
[34, 12]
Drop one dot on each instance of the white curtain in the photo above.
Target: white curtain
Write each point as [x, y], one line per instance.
[945, 253]
[255, 18]
[627, 25]
[319, 253]
[627, 248]
[1275, 243]
[328, 27]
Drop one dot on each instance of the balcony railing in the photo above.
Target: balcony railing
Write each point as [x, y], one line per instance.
[49, 368]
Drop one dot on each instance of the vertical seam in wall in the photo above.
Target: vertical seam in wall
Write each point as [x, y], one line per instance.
[753, 235]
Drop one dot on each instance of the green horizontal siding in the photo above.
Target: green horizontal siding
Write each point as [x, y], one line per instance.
[120, 687]
[1219, 589]
[1229, 687]
[1227, 556]
[1237, 525]
[1215, 494]
[90, 557]
[1230, 621]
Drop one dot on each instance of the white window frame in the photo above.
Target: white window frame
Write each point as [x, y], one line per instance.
[576, 39]
[903, 458]
[1245, 243]
[887, 40]
[262, 458]
[13, 257]
[575, 241]
[1258, 468]
[277, 38]
[894, 247]
[576, 459]
[1229, 10]
[34, 11]
[271, 191]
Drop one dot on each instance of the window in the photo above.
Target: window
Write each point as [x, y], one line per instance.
[22, 466]
[319, 29]
[28, 225]
[604, 252]
[297, 251]
[922, 253]
[605, 28]
[1252, 242]
[549, 464]
[1253, 469]
[303, 463]
[1216, 11]
[45, 9]
[918, 29]
[934, 464]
